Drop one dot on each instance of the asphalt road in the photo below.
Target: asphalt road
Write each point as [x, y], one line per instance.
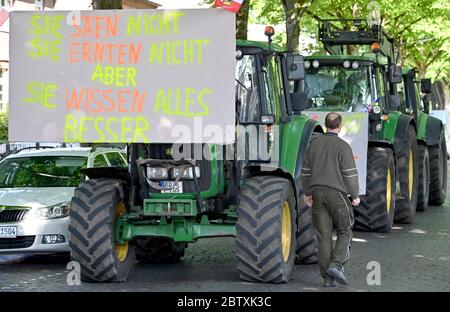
[413, 257]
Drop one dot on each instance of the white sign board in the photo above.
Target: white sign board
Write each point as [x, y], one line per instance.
[149, 76]
[355, 130]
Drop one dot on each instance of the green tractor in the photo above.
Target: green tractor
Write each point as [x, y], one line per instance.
[163, 202]
[430, 138]
[367, 83]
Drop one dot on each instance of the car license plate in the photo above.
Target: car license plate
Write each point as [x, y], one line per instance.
[8, 231]
[171, 187]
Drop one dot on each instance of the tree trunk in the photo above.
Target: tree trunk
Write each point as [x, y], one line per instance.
[106, 4]
[293, 11]
[242, 21]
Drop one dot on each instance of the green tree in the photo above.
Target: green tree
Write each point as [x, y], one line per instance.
[3, 127]
[293, 12]
[106, 4]
[242, 20]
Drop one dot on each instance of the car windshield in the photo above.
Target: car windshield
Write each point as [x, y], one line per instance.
[338, 88]
[247, 93]
[42, 171]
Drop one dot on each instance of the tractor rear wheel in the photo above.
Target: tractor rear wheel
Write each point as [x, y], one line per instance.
[438, 171]
[96, 205]
[158, 250]
[408, 176]
[376, 211]
[266, 230]
[424, 178]
[306, 251]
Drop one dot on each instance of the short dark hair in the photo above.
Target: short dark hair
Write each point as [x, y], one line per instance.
[333, 121]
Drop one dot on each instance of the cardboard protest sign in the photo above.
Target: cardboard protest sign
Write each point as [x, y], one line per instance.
[355, 129]
[122, 76]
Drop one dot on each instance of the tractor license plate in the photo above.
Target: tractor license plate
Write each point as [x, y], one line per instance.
[8, 231]
[171, 187]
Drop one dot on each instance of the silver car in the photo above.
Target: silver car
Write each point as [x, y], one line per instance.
[35, 192]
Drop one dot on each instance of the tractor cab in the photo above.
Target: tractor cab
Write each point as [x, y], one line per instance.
[358, 75]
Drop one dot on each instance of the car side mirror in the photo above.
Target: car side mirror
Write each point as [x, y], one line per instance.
[394, 101]
[425, 86]
[295, 67]
[395, 74]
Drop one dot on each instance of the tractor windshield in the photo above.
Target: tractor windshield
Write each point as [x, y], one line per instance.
[337, 88]
[247, 93]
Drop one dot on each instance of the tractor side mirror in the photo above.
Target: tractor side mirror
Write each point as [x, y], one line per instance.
[395, 74]
[295, 67]
[425, 86]
[394, 101]
[299, 102]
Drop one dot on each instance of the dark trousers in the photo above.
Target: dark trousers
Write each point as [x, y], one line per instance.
[332, 209]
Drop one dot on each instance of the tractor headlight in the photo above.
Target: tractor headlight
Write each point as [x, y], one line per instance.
[157, 173]
[60, 210]
[377, 109]
[185, 173]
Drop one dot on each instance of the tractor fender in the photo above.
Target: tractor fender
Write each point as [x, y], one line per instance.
[268, 169]
[311, 127]
[401, 131]
[433, 130]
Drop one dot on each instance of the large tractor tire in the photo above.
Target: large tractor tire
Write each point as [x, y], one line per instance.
[96, 205]
[266, 230]
[376, 211]
[424, 178]
[408, 176]
[438, 171]
[158, 250]
[306, 251]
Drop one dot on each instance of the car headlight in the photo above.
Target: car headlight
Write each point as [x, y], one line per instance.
[157, 173]
[60, 210]
[185, 173]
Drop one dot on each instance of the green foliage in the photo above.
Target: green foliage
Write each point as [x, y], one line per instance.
[421, 28]
[3, 127]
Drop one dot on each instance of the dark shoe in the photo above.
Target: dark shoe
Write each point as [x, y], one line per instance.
[338, 275]
[328, 283]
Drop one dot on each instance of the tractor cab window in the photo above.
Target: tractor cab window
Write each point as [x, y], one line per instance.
[337, 88]
[247, 93]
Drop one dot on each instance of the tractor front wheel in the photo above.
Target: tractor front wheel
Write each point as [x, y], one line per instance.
[94, 209]
[376, 211]
[306, 251]
[438, 171]
[266, 230]
[424, 178]
[408, 176]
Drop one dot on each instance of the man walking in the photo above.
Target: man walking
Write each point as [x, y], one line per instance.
[328, 175]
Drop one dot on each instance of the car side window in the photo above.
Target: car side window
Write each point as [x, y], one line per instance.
[116, 160]
[100, 161]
